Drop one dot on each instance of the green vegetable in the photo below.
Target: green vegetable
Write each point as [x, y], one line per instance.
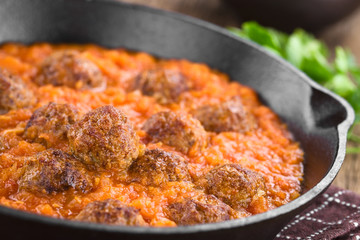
[342, 75]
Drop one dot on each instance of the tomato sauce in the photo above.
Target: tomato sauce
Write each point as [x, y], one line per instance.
[269, 149]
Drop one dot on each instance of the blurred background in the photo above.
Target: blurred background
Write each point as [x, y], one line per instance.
[336, 22]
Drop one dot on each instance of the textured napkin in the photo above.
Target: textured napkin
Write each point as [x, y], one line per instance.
[334, 215]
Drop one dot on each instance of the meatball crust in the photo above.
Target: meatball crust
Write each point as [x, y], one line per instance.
[157, 167]
[200, 209]
[54, 171]
[112, 212]
[50, 123]
[13, 93]
[178, 130]
[228, 116]
[71, 69]
[165, 85]
[105, 138]
[234, 185]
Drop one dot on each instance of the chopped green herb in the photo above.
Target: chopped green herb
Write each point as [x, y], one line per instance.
[303, 50]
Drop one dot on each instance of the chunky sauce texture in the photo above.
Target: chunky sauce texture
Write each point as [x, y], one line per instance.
[256, 145]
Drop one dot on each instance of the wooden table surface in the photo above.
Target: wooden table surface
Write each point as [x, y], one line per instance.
[344, 33]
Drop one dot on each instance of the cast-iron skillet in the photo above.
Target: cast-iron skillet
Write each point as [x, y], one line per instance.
[317, 118]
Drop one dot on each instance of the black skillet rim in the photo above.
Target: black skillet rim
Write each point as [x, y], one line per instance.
[305, 198]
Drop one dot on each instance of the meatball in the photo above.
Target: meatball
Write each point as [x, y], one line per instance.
[156, 167]
[228, 116]
[180, 131]
[234, 185]
[54, 171]
[165, 85]
[200, 209]
[105, 138]
[71, 69]
[49, 124]
[111, 211]
[13, 93]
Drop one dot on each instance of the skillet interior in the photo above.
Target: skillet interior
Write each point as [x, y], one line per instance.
[317, 118]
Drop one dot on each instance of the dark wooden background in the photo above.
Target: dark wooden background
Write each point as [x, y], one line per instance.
[345, 33]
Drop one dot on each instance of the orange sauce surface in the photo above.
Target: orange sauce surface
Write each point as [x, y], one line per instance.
[269, 149]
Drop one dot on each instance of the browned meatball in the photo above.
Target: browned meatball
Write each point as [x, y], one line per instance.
[200, 209]
[71, 69]
[165, 85]
[177, 130]
[13, 93]
[228, 116]
[111, 211]
[156, 167]
[54, 171]
[49, 124]
[105, 138]
[234, 185]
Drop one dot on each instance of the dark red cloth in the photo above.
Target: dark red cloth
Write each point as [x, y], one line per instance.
[334, 215]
